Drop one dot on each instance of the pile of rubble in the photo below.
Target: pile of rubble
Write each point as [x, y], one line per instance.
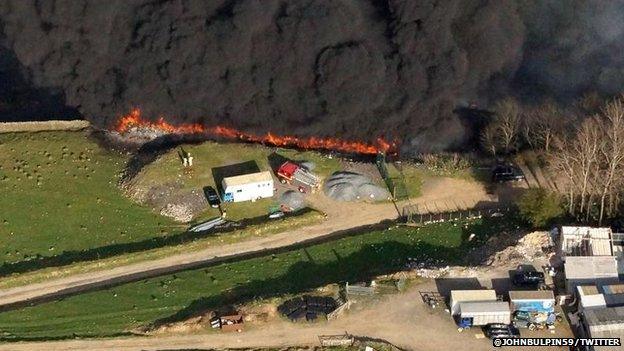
[294, 200]
[179, 212]
[136, 135]
[532, 246]
[500, 251]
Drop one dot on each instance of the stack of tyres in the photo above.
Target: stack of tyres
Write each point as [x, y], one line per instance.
[307, 306]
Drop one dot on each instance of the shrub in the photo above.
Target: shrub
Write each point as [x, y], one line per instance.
[540, 207]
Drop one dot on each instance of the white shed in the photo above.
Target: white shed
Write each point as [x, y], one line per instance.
[248, 187]
[458, 296]
[486, 312]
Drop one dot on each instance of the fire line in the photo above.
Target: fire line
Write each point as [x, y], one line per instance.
[135, 120]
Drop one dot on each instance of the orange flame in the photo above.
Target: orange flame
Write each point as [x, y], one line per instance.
[134, 119]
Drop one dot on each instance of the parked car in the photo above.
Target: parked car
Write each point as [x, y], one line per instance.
[505, 173]
[531, 279]
[499, 330]
[211, 195]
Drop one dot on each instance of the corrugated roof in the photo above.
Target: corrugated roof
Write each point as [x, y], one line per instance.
[593, 241]
[613, 289]
[247, 179]
[484, 307]
[588, 290]
[590, 267]
[531, 295]
[605, 316]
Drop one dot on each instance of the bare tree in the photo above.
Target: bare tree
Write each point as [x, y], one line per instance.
[489, 139]
[592, 162]
[585, 151]
[561, 162]
[546, 121]
[612, 150]
[507, 122]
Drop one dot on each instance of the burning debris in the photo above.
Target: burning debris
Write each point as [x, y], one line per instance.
[136, 127]
[356, 69]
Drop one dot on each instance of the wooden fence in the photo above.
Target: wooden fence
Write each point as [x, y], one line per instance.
[359, 290]
[339, 311]
[336, 340]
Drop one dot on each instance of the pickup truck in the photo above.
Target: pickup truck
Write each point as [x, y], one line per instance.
[505, 173]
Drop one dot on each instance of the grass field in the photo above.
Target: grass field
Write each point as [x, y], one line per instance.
[103, 258]
[58, 194]
[209, 156]
[174, 297]
[63, 213]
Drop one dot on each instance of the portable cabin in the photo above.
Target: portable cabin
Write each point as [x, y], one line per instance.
[248, 187]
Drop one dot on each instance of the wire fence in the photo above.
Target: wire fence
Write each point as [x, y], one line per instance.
[412, 215]
[396, 185]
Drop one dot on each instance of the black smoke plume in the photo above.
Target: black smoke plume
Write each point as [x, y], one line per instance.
[355, 69]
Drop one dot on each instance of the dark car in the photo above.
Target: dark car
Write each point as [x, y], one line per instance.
[212, 197]
[506, 173]
[499, 330]
[532, 279]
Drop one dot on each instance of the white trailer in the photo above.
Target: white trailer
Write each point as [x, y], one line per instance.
[485, 312]
[458, 296]
[248, 187]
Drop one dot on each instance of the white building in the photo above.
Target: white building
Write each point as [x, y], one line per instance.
[248, 187]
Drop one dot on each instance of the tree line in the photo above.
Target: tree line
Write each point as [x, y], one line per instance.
[582, 146]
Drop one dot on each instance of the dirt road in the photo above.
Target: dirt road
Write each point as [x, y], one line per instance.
[343, 217]
[401, 319]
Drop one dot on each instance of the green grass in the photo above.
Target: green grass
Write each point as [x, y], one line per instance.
[206, 156]
[58, 193]
[63, 213]
[175, 297]
[81, 262]
[412, 175]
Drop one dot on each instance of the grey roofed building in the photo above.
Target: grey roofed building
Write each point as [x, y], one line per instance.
[605, 322]
[585, 270]
[614, 294]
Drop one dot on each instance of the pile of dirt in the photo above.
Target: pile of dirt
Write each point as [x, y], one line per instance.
[350, 186]
[169, 200]
[293, 200]
[192, 324]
